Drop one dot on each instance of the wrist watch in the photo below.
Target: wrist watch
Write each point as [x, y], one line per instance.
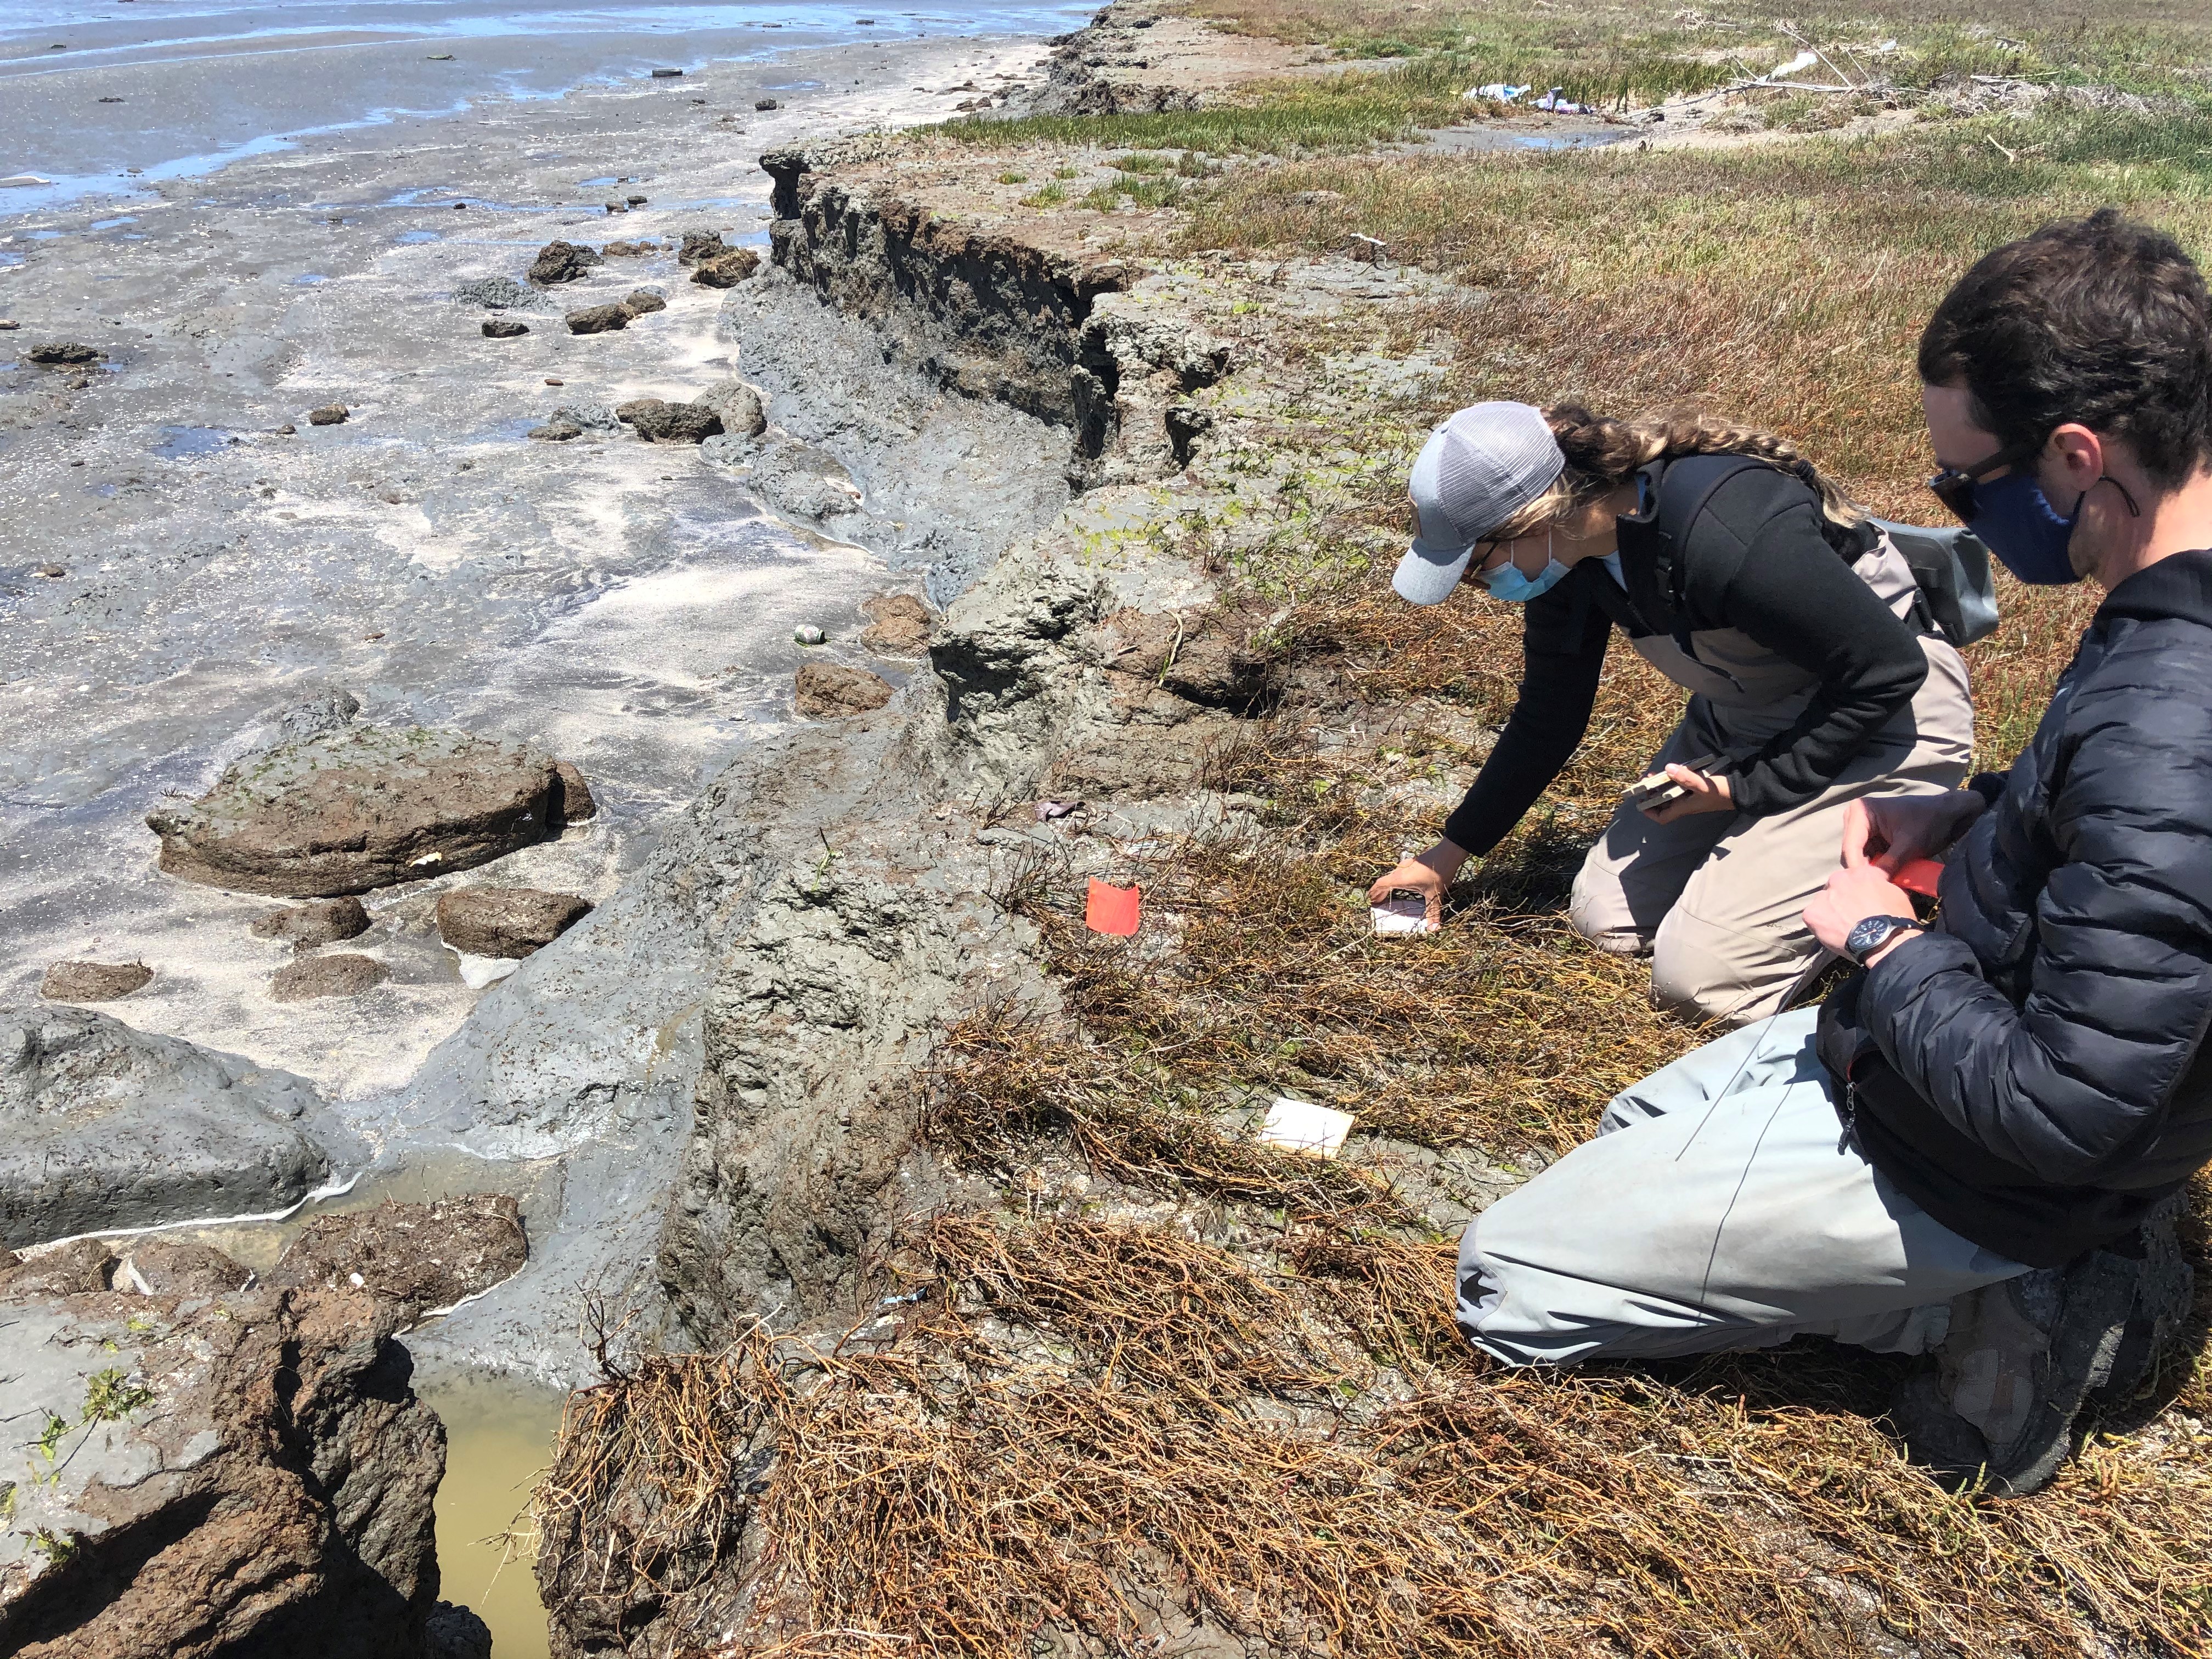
[1870, 935]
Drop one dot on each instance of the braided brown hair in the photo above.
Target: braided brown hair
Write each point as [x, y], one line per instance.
[1603, 453]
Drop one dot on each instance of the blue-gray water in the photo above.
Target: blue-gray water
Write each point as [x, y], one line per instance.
[105, 96]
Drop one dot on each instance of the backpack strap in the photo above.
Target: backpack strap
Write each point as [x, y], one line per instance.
[1673, 495]
[1684, 488]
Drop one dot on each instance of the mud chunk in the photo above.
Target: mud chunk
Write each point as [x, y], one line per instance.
[421, 1256]
[307, 926]
[804, 481]
[737, 406]
[591, 417]
[898, 626]
[766, 103]
[596, 319]
[635, 201]
[503, 328]
[643, 301]
[326, 711]
[667, 75]
[452, 1631]
[625, 251]
[329, 415]
[56, 354]
[616, 207]
[700, 245]
[562, 262]
[299, 1520]
[93, 982]
[507, 921]
[358, 808]
[727, 269]
[576, 803]
[287, 430]
[496, 293]
[343, 974]
[84, 1266]
[827, 690]
[178, 1266]
[555, 431]
[662, 422]
[102, 1125]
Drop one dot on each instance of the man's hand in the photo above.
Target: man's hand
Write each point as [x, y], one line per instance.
[1708, 793]
[1892, 830]
[1854, 892]
[1427, 873]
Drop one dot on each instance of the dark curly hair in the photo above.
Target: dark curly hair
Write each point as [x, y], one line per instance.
[2100, 320]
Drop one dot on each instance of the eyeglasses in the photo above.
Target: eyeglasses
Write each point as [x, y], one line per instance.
[1955, 486]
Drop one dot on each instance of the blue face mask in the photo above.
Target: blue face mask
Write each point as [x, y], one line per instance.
[1508, 582]
[2016, 520]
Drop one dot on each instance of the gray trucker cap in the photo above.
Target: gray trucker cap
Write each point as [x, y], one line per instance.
[1476, 470]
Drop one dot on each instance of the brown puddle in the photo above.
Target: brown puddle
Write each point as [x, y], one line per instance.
[499, 1439]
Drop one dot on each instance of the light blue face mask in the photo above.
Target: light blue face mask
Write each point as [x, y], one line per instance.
[1508, 583]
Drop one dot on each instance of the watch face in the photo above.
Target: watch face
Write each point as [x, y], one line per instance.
[1871, 935]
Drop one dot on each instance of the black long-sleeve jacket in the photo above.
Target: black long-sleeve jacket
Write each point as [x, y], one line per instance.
[2032, 1072]
[1759, 558]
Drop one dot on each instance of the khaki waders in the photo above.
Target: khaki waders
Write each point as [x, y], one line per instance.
[1715, 899]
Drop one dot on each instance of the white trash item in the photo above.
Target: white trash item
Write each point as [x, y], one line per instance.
[1404, 914]
[476, 972]
[1299, 1125]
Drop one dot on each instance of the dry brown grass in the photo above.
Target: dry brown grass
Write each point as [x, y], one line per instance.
[1089, 1438]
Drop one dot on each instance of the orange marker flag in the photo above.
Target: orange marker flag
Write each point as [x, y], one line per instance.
[1922, 876]
[1110, 909]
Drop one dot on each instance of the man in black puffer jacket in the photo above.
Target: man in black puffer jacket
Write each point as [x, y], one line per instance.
[2021, 1089]
[2033, 1071]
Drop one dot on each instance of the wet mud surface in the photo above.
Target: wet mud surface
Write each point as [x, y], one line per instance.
[173, 572]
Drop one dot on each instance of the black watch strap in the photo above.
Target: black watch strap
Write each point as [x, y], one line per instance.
[1872, 933]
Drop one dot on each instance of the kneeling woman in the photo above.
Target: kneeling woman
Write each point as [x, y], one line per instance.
[1744, 576]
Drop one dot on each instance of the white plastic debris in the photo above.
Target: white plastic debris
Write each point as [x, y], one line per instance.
[807, 634]
[1557, 101]
[1299, 1125]
[1403, 914]
[1497, 89]
[1803, 60]
[22, 181]
[476, 972]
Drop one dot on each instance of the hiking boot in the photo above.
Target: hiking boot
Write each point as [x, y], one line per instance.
[2021, 1357]
[2165, 1289]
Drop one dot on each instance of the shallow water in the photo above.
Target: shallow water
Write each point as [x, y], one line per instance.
[196, 85]
[500, 1436]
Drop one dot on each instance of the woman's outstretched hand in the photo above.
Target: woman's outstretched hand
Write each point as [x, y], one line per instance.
[1427, 873]
[1707, 794]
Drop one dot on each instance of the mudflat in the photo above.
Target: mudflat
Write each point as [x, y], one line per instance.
[184, 553]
